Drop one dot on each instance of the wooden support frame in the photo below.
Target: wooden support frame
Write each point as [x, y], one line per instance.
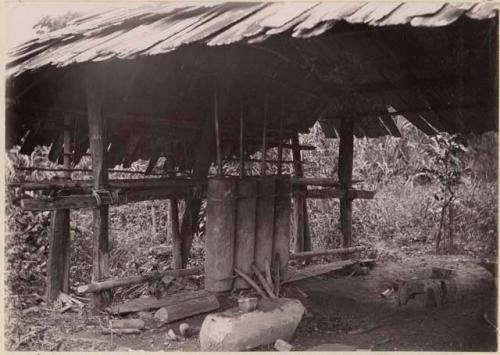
[173, 211]
[302, 236]
[204, 156]
[59, 236]
[346, 149]
[98, 139]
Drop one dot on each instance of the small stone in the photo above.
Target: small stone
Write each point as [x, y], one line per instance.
[167, 280]
[184, 329]
[282, 345]
[161, 315]
[171, 335]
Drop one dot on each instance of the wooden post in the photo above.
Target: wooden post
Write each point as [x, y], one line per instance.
[59, 236]
[242, 145]
[98, 148]
[219, 236]
[280, 148]
[346, 148]
[204, 157]
[264, 142]
[174, 222]
[217, 135]
[302, 236]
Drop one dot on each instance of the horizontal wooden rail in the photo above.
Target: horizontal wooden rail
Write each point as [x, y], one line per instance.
[312, 254]
[83, 170]
[336, 193]
[121, 184]
[326, 182]
[91, 201]
[132, 280]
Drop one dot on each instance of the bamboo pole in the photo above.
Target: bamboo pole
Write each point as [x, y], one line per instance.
[264, 141]
[280, 148]
[242, 145]
[217, 134]
[251, 282]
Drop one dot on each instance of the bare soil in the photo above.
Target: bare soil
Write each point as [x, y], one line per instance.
[337, 305]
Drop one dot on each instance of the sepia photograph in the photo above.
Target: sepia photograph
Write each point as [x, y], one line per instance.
[213, 176]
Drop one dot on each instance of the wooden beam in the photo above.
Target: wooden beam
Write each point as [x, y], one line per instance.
[132, 280]
[338, 193]
[98, 139]
[346, 148]
[115, 184]
[59, 235]
[104, 199]
[317, 253]
[326, 182]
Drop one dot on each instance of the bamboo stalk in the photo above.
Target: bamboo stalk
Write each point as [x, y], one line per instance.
[242, 147]
[264, 142]
[280, 148]
[217, 134]
[251, 282]
[263, 281]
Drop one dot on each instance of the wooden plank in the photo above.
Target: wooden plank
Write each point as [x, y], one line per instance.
[132, 280]
[146, 304]
[98, 147]
[316, 270]
[246, 210]
[265, 221]
[189, 308]
[281, 243]
[346, 148]
[90, 201]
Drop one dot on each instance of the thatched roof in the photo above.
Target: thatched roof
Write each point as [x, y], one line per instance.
[434, 63]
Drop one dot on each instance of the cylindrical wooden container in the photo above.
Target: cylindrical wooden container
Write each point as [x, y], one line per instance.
[220, 234]
[246, 206]
[265, 222]
[282, 223]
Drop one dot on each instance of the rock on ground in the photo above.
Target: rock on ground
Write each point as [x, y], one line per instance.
[233, 330]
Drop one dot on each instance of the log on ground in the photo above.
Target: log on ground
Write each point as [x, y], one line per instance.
[189, 308]
[145, 304]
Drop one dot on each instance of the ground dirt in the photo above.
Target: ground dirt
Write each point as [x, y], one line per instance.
[337, 304]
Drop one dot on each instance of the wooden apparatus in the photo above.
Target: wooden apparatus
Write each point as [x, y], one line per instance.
[246, 207]
[219, 236]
